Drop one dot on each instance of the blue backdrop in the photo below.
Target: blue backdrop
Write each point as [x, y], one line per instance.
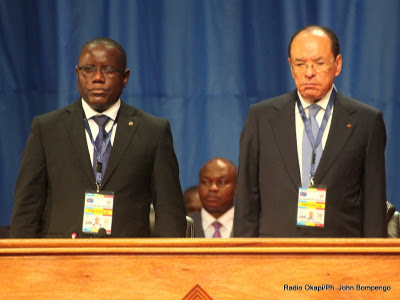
[198, 63]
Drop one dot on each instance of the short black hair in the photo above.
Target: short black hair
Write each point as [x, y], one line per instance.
[191, 189]
[335, 46]
[108, 42]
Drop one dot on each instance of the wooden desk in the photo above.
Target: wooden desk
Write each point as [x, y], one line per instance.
[220, 268]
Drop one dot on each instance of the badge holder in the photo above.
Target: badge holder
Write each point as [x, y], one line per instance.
[97, 212]
[311, 206]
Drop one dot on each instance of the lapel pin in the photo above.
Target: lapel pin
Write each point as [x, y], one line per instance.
[348, 125]
[130, 123]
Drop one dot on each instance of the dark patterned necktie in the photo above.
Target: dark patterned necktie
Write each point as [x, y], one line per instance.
[101, 121]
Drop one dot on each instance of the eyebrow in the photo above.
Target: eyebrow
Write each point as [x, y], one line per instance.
[317, 59]
[207, 177]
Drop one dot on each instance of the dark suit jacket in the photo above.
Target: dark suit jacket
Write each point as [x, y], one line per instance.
[4, 232]
[352, 168]
[56, 172]
[394, 225]
[198, 226]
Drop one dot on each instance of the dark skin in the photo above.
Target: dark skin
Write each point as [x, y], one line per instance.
[192, 201]
[217, 186]
[101, 92]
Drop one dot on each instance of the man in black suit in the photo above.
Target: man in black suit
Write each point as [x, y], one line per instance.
[63, 168]
[275, 159]
[217, 188]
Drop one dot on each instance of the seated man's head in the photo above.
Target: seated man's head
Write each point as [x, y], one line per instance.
[217, 186]
[191, 199]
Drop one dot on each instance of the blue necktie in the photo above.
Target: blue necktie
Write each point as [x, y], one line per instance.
[307, 147]
[101, 121]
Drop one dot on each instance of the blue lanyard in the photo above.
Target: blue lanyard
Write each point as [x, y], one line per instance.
[307, 126]
[99, 158]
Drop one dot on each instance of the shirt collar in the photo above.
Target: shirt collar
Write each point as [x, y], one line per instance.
[110, 112]
[208, 219]
[323, 103]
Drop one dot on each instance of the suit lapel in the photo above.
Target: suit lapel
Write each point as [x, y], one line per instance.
[74, 126]
[198, 225]
[284, 130]
[342, 126]
[127, 125]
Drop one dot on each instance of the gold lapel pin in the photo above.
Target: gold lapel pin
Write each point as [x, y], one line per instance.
[130, 123]
[348, 125]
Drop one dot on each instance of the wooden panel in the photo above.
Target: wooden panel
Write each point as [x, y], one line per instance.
[222, 269]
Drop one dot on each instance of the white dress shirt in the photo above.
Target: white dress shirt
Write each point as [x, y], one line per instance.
[94, 128]
[226, 220]
[319, 117]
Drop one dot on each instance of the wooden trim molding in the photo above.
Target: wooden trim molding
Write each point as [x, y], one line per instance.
[200, 268]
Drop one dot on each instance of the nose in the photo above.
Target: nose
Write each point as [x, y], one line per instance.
[310, 71]
[213, 186]
[98, 76]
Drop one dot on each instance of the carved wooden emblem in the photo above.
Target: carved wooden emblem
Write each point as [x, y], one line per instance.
[197, 293]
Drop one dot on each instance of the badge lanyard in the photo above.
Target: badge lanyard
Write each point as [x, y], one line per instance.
[99, 158]
[307, 126]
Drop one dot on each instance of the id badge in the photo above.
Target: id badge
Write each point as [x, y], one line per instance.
[311, 207]
[97, 212]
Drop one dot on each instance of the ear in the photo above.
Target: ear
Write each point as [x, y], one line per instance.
[290, 66]
[338, 65]
[127, 72]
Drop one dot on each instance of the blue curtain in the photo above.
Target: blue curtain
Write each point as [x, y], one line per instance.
[198, 63]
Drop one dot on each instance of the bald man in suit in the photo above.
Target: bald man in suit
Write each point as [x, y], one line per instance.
[217, 188]
[349, 169]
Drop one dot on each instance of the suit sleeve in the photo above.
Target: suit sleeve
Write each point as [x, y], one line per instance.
[30, 190]
[247, 204]
[374, 184]
[170, 212]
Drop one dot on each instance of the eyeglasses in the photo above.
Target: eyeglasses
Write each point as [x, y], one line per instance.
[104, 71]
[318, 67]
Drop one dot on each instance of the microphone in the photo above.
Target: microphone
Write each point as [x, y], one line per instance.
[72, 232]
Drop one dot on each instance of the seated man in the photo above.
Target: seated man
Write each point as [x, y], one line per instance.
[191, 199]
[217, 189]
[394, 221]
